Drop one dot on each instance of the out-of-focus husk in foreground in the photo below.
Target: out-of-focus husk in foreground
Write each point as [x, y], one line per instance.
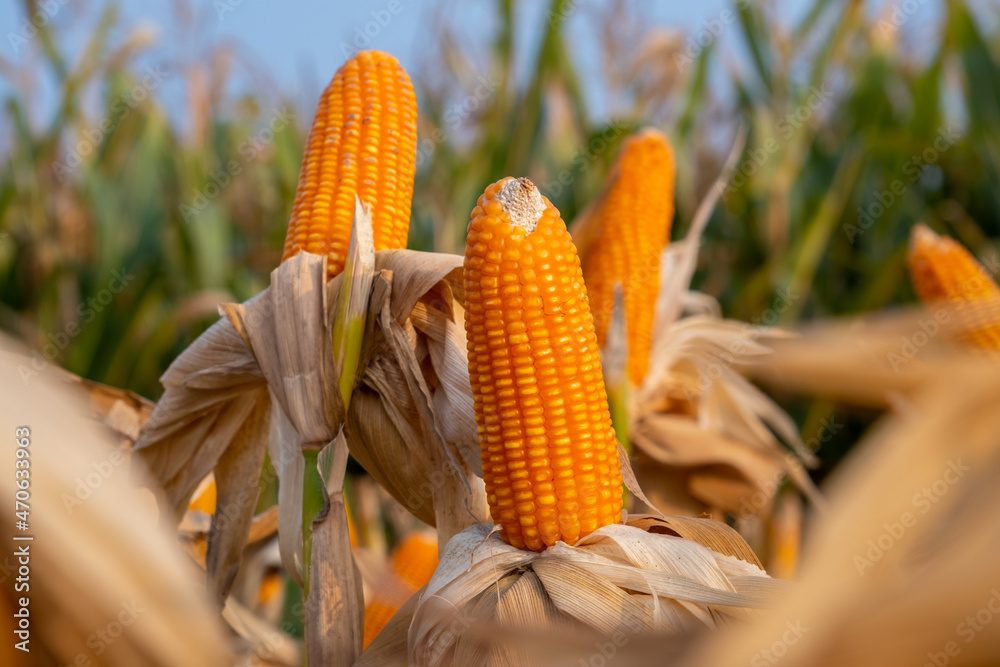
[106, 585]
[254, 607]
[904, 568]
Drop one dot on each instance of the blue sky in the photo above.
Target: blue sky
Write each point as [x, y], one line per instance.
[294, 47]
[297, 45]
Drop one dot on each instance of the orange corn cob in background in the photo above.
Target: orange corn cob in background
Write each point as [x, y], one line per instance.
[352, 532]
[204, 497]
[633, 226]
[413, 564]
[271, 591]
[363, 141]
[942, 270]
[550, 459]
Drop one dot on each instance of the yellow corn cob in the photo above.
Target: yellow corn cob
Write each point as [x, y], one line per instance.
[272, 585]
[550, 458]
[377, 616]
[413, 564]
[352, 532]
[633, 223]
[363, 141]
[944, 271]
[205, 501]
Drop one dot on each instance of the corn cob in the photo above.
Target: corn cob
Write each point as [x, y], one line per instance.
[352, 532]
[413, 565]
[271, 586]
[205, 501]
[633, 222]
[363, 141]
[943, 271]
[549, 454]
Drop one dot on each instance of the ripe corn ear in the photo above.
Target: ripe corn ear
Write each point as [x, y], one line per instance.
[633, 221]
[363, 142]
[943, 271]
[549, 453]
[413, 565]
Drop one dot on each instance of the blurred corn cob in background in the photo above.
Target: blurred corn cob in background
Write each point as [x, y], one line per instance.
[631, 226]
[549, 453]
[363, 142]
[942, 271]
[413, 564]
[204, 497]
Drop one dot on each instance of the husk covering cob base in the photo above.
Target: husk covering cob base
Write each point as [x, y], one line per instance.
[639, 578]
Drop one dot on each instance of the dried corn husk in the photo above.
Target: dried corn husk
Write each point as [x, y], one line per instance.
[411, 423]
[653, 575]
[715, 431]
[638, 578]
[266, 375]
[261, 642]
[124, 412]
[100, 569]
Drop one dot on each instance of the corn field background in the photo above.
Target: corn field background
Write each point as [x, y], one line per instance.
[838, 108]
[125, 217]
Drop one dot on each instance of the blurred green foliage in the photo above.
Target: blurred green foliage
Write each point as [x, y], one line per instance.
[843, 116]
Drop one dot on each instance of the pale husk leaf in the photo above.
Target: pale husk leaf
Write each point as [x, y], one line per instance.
[335, 605]
[265, 644]
[714, 535]
[352, 299]
[471, 646]
[289, 465]
[123, 411]
[619, 578]
[236, 479]
[524, 607]
[440, 482]
[695, 374]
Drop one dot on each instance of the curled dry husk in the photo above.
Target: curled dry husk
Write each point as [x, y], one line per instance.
[99, 566]
[266, 372]
[651, 575]
[705, 436]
